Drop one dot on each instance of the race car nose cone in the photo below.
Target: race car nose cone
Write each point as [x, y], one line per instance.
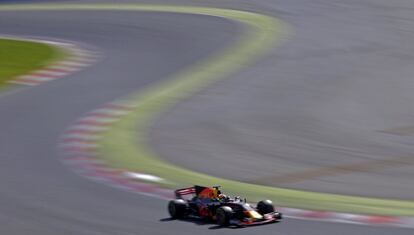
[253, 214]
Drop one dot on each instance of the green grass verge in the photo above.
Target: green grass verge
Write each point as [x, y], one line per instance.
[125, 144]
[21, 57]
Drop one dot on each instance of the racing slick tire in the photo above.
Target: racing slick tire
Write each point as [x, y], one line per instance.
[177, 208]
[223, 215]
[265, 207]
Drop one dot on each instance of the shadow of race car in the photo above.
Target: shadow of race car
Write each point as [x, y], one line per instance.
[209, 203]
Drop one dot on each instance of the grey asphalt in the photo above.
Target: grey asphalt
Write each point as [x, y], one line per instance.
[330, 110]
[39, 195]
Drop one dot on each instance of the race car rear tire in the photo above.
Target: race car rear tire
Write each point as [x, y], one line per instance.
[265, 207]
[177, 208]
[223, 215]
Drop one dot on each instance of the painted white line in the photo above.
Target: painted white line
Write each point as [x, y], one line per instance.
[109, 112]
[71, 63]
[37, 79]
[51, 72]
[345, 216]
[123, 105]
[138, 176]
[62, 44]
[85, 137]
[63, 67]
[89, 128]
[83, 61]
[23, 82]
[26, 77]
[79, 144]
[98, 119]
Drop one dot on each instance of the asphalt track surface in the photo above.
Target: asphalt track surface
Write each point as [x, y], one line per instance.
[38, 195]
[329, 111]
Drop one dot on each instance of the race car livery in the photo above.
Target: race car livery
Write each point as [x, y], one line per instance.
[210, 203]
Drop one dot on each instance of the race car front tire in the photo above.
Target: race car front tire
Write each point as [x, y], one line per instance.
[177, 208]
[265, 207]
[223, 215]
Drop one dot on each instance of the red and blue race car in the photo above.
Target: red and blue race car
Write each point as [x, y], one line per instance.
[209, 203]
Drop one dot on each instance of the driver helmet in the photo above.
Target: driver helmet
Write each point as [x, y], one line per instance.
[223, 197]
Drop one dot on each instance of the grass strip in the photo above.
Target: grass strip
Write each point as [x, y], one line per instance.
[18, 57]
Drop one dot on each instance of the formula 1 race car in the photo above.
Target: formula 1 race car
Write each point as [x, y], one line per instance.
[209, 203]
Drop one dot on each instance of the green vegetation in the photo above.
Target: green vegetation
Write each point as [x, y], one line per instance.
[20, 57]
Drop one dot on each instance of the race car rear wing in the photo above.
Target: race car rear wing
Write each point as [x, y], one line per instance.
[185, 192]
[190, 192]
